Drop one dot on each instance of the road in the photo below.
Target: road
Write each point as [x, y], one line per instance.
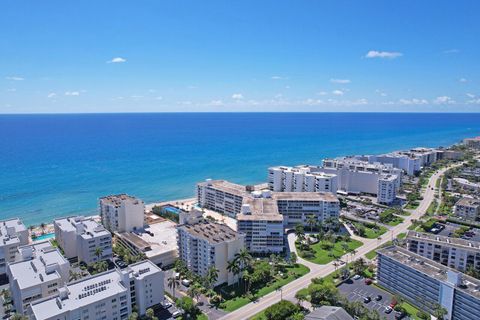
[289, 290]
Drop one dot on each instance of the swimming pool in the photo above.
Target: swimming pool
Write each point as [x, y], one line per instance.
[171, 209]
[45, 236]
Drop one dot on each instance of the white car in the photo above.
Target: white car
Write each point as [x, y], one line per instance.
[388, 309]
[177, 314]
[356, 277]
[167, 304]
[186, 282]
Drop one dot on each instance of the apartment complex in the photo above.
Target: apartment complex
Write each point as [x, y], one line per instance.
[222, 196]
[472, 142]
[300, 179]
[452, 252]
[122, 213]
[387, 189]
[428, 284]
[207, 244]
[262, 225]
[468, 209]
[13, 234]
[41, 271]
[109, 295]
[158, 242]
[83, 238]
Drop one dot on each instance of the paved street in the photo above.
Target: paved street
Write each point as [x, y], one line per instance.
[290, 289]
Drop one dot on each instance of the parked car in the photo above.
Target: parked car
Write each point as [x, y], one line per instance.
[367, 299]
[378, 297]
[388, 309]
[186, 282]
[356, 277]
[167, 304]
[177, 314]
[368, 281]
[177, 275]
[393, 304]
[399, 315]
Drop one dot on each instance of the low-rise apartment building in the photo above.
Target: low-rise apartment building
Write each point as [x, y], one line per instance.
[208, 244]
[122, 213]
[110, 295]
[83, 238]
[452, 252]
[41, 271]
[468, 209]
[428, 284]
[13, 234]
[300, 179]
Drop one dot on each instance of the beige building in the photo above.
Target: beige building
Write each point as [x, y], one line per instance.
[208, 244]
[122, 213]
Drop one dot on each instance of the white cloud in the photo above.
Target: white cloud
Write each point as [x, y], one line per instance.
[237, 96]
[443, 100]
[159, 98]
[278, 78]
[413, 101]
[322, 93]
[474, 101]
[15, 78]
[470, 95]
[72, 93]
[463, 80]
[136, 96]
[216, 103]
[383, 54]
[117, 60]
[341, 81]
[381, 93]
[338, 92]
[11, 90]
[449, 51]
[51, 95]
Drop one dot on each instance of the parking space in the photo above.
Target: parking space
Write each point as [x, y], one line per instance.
[357, 290]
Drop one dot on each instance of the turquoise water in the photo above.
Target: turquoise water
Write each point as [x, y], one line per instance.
[45, 236]
[58, 165]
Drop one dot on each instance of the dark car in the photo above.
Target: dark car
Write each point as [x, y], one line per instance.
[368, 281]
[367, 299]
[378, 298]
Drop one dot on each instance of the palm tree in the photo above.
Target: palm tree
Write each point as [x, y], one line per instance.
[244, 259]
[98, 252]
[43, 225]
[211, 277]
[299, 232]
[173, 283]
[234, 267]
[311, 221]
[194, 291]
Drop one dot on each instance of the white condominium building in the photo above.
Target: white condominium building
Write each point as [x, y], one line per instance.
[300, 179]
[207, 244]
[221, 196]
[13, 234]
[472, 142]
[110, 295]
[83, 238]
[427, 284]
[39, 274]
[452, 252]
[468, 209]
[387, 189]
[262, 225]
[122, 213]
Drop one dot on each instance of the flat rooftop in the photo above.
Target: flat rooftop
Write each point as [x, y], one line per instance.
[453, 242]
[305, 196]
[468, 202]
[32, 271]
[117, 199]
[226, 186]
[80, 294]
[261, 209]
[9, 229]
[89, 227]
[430, 268]
[210, 231]
[163, 238]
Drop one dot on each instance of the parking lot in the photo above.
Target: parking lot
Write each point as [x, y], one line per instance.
[357, 290]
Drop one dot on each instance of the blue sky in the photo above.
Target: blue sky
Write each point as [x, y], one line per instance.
[149, 56]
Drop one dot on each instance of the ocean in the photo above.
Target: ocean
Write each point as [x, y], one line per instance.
[59, 165]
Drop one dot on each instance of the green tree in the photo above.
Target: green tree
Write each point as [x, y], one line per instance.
[18, 316]
[173, 283]
[281, 311]
[323, 294]
[311, 221]
[133, 316]
[211, 277]
[98, 252]
[293, 258]
[234, 267]
[150, 314]
[194, 291]
[301, 296]
[188, 306]
[439, 312]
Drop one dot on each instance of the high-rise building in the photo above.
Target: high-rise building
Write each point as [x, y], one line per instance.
[13, 234]
[122, 213]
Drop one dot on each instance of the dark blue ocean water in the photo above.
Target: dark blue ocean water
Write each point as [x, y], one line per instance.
[57, 165]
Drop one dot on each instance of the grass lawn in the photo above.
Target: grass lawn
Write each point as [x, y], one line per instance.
[322, 256]
[370, 232]
[202, 316]
[411, 310]
[239, 301]
[395, 222]
[412, 205]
